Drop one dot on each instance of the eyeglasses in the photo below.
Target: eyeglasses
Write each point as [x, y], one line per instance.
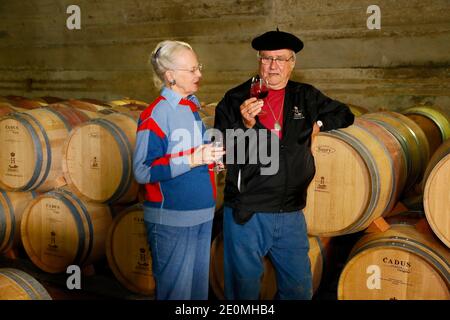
[279, 61]
[193, 69]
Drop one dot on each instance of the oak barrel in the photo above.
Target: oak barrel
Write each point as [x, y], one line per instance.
[411, 137]
[124, 101]
[32, 144]
[433, 121]
[128, 251]
[357, 110]
[317, 252]
[207, 110]
[436, 195]
[360, 173]
[25, 103]
[58, 229]
[6, 108]
[16, 284]
[97, 159]
[132, 109]
[87, 105]
[398, 264]
[12, 205]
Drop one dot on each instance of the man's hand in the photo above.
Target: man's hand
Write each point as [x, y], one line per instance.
[249, 110]
[316, 130]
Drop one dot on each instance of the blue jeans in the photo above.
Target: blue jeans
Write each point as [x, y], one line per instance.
[180, 260]
[281, 236]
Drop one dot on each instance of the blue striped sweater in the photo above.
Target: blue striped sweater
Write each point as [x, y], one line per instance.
[168, 130]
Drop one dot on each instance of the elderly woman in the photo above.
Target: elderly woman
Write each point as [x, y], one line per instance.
[174, 160]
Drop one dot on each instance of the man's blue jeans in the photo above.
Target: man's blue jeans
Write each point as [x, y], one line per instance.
[281, 236]
[180, 260]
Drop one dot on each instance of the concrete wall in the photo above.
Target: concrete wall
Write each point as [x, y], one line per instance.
[404, 63]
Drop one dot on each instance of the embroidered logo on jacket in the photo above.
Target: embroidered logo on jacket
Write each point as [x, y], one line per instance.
[298, 114]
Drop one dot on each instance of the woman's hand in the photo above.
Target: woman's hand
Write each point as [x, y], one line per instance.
[205, 154]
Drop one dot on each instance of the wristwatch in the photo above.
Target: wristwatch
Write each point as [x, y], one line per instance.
[319, 123]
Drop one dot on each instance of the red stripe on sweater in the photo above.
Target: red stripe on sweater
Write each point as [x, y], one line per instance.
[153, 193]
[181, 153]
[147, 113]
[212, 178]
[164, 161]
[189, 103]
[151, 125]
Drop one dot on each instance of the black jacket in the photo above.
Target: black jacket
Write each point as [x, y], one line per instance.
[286, 190]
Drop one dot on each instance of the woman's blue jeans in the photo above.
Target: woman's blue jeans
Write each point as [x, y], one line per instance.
[180, 260]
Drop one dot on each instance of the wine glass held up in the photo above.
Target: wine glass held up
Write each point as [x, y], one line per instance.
[259, 89]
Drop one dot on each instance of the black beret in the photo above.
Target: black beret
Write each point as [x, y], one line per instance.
[274, 40]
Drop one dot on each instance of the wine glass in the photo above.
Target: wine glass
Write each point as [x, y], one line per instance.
[259, 89]
[218, 165]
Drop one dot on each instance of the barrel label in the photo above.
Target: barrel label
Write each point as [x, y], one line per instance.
[321, 185]
[403, 266]
[143, 261]
[324, 149]
[142, 256]
[12, 129]
[52, 245]
[95, 164]
[12, 167]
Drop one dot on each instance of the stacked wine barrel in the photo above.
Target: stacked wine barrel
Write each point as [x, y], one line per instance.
[401, 263]
[363, 170]
[67, 168]
[436, 195]
[50, 200]
[128, 251]
[16, 284]
[67, 164]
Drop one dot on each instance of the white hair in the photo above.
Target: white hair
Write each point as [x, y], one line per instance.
[162, 59]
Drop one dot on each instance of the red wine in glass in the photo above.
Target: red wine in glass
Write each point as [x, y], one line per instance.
[258, 88]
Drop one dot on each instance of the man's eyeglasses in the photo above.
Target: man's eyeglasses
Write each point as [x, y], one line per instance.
[193, 69]
[278, 60]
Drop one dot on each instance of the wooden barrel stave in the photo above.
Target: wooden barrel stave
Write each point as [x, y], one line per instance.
[12, 205]
[59, 230]
[436, 196]
[128, 252]
[35, 145]
[102, 178]
[18, 285]
[411, 265]
[357, 179]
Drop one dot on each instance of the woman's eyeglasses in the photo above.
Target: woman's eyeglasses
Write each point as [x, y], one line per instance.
[193, 69]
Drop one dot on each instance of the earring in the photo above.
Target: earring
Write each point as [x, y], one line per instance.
[172, 82]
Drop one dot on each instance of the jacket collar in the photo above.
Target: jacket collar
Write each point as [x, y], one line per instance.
[174, 98]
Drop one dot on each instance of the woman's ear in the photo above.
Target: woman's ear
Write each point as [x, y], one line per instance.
[169, 75]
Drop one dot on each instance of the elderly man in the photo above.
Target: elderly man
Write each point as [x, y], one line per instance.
[263, 213]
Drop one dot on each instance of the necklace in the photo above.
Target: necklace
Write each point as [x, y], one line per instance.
[277, 126]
